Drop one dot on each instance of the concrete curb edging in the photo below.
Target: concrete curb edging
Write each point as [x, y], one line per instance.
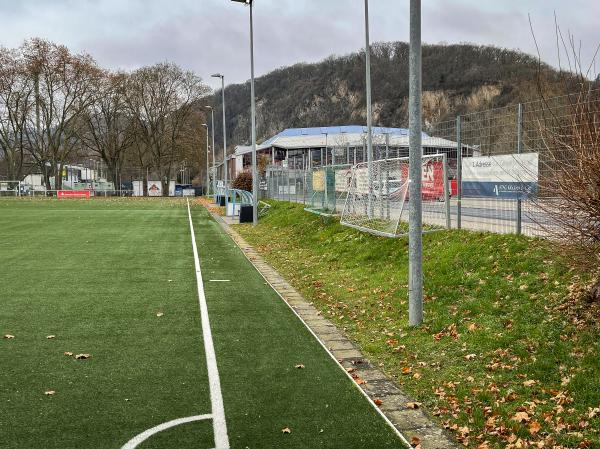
[408, 423]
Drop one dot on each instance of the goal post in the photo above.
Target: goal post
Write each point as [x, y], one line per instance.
[377, 203]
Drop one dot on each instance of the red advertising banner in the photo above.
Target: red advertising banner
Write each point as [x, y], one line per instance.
[73, 194]
[432, 181]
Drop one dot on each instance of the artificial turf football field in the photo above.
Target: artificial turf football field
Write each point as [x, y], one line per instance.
[116, 279]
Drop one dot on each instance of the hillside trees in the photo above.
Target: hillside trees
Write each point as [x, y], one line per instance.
[332, 92]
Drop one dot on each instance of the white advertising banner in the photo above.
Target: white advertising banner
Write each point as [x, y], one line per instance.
[512, 176]
[154, 188]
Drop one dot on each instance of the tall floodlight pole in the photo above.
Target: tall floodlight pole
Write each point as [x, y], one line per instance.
[218, 75]
[207, 161]
[415, 300]
[369, 109]
[212, 128]
[253, 116]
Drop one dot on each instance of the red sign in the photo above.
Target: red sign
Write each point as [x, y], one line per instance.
[432, 181]
[73, 194]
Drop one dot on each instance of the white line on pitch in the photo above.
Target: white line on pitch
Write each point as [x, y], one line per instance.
[139, 439]
[219, 280]
[216, 398]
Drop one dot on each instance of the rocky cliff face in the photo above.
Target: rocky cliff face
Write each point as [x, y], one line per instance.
[457, 79]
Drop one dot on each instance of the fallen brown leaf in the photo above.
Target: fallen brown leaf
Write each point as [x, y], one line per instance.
[51, 337]
[534, 427]
[9, 337]
[50, 393]
[159, 314]
[286, 430]
[359, 380]
[378, 402]
[413, 405]
[415, 441]
[520, 417]
[406, 370]
[82, 356]
[300, 366]
[68, 354]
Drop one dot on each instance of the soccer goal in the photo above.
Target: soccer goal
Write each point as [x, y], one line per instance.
[378, 196]
[327, 189]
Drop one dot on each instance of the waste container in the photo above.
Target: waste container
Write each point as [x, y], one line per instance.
[246, 214]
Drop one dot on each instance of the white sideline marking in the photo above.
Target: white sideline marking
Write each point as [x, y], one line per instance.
[139, 439]
[216, 398]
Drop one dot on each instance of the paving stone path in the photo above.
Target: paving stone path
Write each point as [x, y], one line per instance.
[410, 422]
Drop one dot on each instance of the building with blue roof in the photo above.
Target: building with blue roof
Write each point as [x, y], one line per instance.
[304, 148]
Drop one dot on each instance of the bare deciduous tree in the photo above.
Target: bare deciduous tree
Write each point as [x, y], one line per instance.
[105, 128]
[63, 88]
[570, 133]
[161, 100]
[16, 102]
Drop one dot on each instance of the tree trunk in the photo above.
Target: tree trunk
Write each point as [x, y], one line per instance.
[114, 173]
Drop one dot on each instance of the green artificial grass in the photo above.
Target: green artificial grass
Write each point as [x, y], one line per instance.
[498, 361]
[95, 274]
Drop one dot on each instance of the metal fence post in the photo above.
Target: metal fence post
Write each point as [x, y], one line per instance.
[519, 151]
[387, 174]
[458, 172]
[446, 191]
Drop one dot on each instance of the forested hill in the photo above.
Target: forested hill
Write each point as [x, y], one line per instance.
[456, 79]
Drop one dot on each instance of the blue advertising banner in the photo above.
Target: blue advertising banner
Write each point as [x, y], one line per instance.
[513, 176]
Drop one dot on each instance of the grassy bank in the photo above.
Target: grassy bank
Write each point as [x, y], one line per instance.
[504, 358]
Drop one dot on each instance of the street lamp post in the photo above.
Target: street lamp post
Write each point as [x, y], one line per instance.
[253, 116]
[225, 168]
[415, 226]
[207, 161]
[212, 113]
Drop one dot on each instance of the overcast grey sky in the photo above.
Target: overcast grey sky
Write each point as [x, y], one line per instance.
[212, 35]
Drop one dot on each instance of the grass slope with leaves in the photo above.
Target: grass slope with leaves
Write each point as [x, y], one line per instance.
[507, 357]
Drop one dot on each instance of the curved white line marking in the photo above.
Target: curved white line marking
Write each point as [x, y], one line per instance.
[136, 441]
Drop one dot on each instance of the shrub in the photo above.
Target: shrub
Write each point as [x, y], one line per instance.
[243, 181]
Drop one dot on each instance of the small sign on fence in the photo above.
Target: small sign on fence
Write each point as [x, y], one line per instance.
[318, 181]
[512, 176]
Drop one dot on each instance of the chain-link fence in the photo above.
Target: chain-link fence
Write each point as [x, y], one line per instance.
[501, 164]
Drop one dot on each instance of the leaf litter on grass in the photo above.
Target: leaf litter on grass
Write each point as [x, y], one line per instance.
[477, 307]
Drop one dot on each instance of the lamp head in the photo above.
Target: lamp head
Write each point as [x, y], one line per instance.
[246, 2]
[217, 75]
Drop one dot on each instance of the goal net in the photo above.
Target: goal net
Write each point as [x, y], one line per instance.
[328, 188]
[378, 196]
